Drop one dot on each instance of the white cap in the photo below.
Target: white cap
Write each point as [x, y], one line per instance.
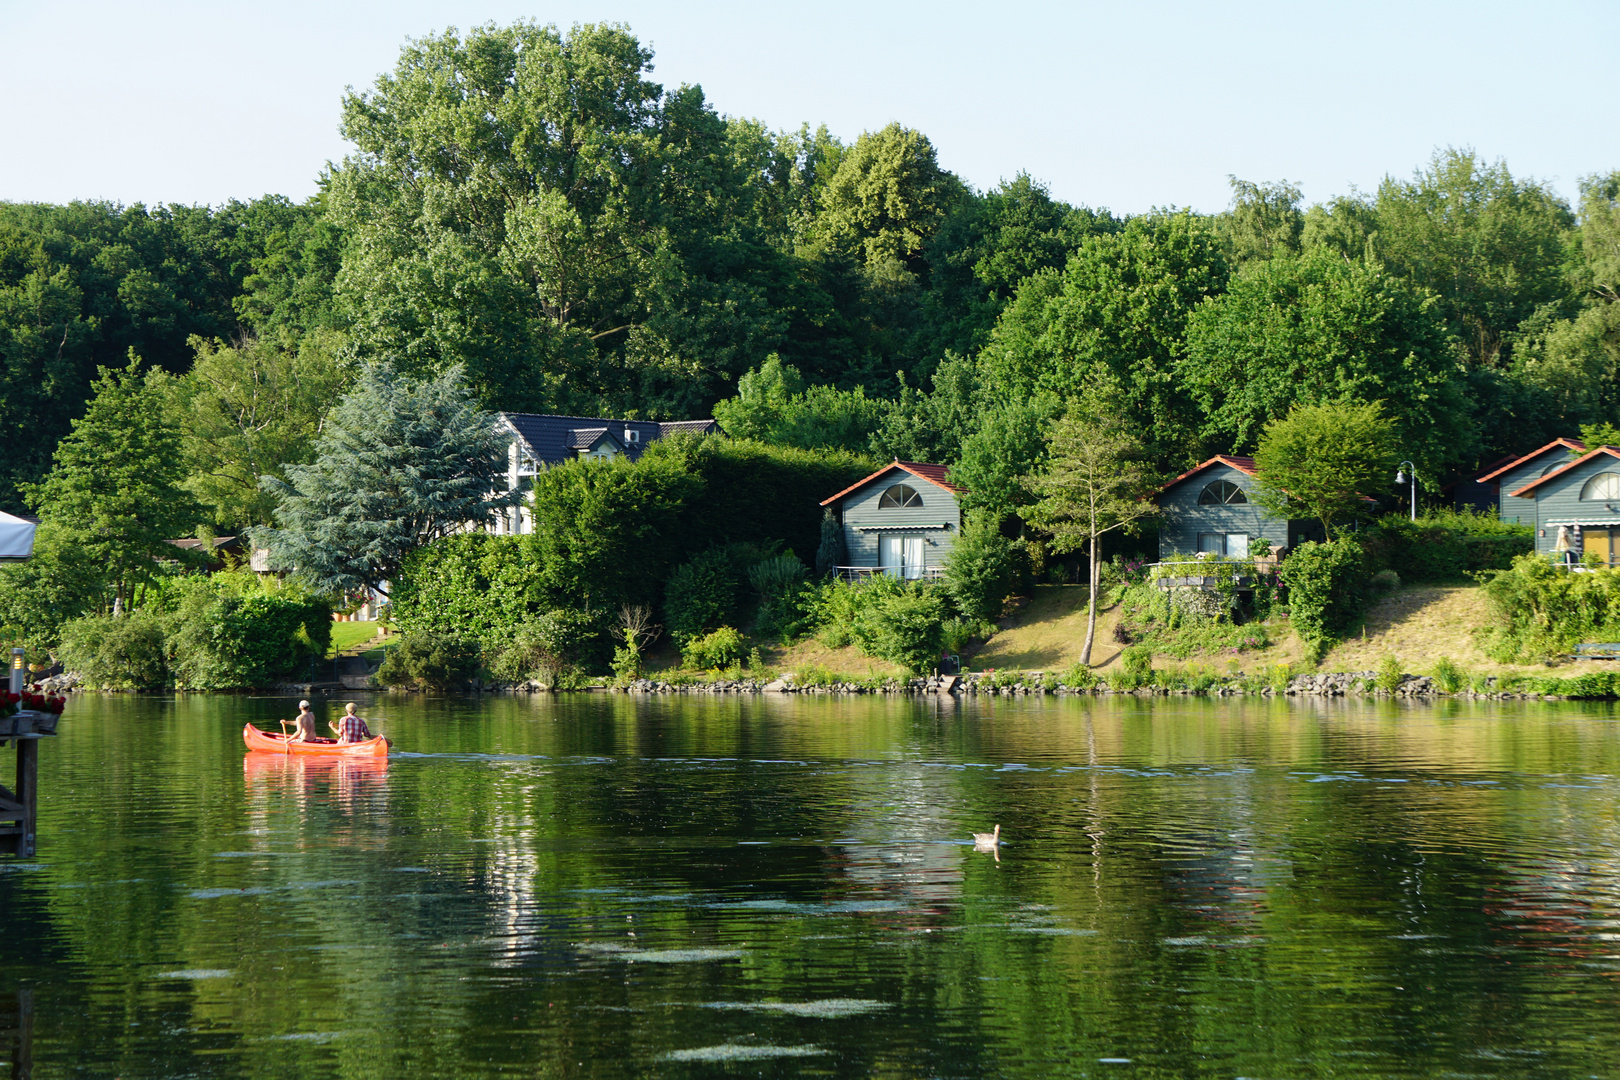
[303, 704]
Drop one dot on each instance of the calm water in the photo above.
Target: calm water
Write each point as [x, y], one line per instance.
[606, 886]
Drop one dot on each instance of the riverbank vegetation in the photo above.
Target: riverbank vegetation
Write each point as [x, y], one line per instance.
[619, 248]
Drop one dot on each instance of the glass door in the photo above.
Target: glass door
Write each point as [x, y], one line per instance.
[911, 557]
[890, 552]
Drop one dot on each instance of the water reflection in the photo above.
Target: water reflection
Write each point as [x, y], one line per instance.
[630, 885]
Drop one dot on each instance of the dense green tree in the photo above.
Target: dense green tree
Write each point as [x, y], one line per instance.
[530, 205]
[887, 197]
[248, 410]
[933, 426]
[1265, 220]
[1600, 235]
[1114, 324]
[774, 406]
[1318, 328]
[979, 568]
[400, 463]
[1492, 247]
[1009, 444]
[83, 284]
[39, 596]
[115, 482]
[1322, 461]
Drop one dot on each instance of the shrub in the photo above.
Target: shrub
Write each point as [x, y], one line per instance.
[830, 551]
[1445, 545]
[229, 632]
[701, 595]
[779, 581]
[1385, 581]
[1079, 677]
[430, 661]
[721, 648]
[979, 568]
[905, 628]
[1390, 675]
[1326, 592]
[471, 583]
[955, 634]
[551, 647]
[1136, 668]
[1542, 611]
[129, 652]
[1447, 675]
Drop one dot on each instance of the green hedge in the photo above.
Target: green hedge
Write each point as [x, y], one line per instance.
[1445, 546]
[226, 641]
[470, 583]
[1543, 611]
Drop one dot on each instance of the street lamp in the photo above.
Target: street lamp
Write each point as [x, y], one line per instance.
[1407, 469]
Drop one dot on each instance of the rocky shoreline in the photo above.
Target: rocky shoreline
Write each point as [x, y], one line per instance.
[1026, 684]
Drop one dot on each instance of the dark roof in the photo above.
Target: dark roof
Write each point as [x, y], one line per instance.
[583, 439]
[1243, 465]
[1568, 444]
[1481, 476]
[934, 474]
[1609, 450]
[553, 439]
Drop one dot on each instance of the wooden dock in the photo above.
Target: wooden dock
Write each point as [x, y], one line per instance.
[19, 804]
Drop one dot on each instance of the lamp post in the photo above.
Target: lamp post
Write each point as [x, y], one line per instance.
[1407, 469]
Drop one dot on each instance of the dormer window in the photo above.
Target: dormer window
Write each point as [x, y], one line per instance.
[1604, 487]
[898, 496]
[1221, 493]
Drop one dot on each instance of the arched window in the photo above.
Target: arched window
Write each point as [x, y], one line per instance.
[899, 495]
[1221, 493]
[1604, 487]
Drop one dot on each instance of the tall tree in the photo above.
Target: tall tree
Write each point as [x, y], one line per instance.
[115, 482]
[1491, 246]
[530, 205]
[1323, 461]
[1318, 328]
[1264, 221]
[248, 410]
[400, 463]
[1114, 323]
[1095, 482]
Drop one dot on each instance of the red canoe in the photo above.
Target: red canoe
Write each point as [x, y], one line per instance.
[265, 740]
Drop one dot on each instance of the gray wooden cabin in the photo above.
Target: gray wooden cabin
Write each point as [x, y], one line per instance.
[1514, 475]
[1212, 508]
[1581, 498]
[902, 520]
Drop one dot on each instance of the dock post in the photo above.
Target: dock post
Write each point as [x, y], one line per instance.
[27, 793]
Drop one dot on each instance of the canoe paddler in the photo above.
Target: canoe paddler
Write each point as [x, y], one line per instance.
[304, 726]
[350, 728]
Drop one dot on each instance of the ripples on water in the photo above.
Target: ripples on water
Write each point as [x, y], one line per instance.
[623, 887]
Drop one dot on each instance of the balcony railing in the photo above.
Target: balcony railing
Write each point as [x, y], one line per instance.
[863, 573]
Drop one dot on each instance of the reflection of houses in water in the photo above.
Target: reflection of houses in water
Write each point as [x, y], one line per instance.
[912, 858]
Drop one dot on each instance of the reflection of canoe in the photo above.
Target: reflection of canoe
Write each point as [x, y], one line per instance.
[276, 766]
[266, 740]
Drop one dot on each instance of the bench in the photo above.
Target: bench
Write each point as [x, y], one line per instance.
[1588, 650]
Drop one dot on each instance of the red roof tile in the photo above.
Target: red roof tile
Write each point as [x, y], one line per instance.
[1568, 444]
[934, 474]
[1241, 464]
[1610, 450]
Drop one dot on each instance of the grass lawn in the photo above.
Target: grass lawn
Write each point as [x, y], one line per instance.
[346, 635]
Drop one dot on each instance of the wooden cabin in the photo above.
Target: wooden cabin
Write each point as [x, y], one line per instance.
[1212, 508]
[1580, 498]
[902, 521]
[1520, 471]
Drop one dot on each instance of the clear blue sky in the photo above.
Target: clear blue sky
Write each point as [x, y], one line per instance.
[1124, 105]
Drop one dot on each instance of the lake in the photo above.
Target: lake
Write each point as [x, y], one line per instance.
[611, 886]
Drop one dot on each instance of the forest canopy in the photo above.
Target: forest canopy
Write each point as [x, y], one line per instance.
[528, 205]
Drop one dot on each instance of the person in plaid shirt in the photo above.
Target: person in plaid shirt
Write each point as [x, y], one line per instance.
[351, 728]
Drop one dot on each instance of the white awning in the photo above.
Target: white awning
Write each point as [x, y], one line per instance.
[903, 528]
[16, 538]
